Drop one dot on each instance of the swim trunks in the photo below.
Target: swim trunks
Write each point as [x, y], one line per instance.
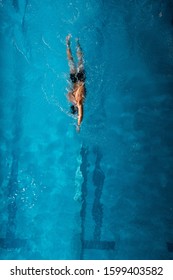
[80, 76]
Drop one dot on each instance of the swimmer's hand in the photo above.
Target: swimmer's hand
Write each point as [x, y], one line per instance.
[78, 128]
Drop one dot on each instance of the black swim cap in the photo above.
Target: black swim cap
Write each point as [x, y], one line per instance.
[73, 109]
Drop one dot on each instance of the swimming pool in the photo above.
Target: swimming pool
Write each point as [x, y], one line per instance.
[105, 193]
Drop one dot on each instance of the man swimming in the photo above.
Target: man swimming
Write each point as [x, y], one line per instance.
[77, 75]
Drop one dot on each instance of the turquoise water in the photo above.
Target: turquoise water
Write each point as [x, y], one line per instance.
[105, 193]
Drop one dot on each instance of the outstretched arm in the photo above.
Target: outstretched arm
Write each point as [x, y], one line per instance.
[80, 114]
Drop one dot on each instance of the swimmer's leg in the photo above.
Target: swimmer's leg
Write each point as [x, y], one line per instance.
[80, 57]
[70, 57]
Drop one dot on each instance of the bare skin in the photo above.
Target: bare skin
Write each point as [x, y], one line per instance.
[77, 95]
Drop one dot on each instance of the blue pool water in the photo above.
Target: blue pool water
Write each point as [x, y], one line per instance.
[105, 193]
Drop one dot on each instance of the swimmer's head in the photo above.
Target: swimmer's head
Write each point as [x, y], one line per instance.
[73, 109]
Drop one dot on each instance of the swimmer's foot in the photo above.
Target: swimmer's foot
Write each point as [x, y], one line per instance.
[68, 40]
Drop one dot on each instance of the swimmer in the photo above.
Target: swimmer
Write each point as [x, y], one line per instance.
[77, 76]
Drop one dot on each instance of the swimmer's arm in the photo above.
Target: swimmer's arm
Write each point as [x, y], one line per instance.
[71, 97]
[80, 114]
